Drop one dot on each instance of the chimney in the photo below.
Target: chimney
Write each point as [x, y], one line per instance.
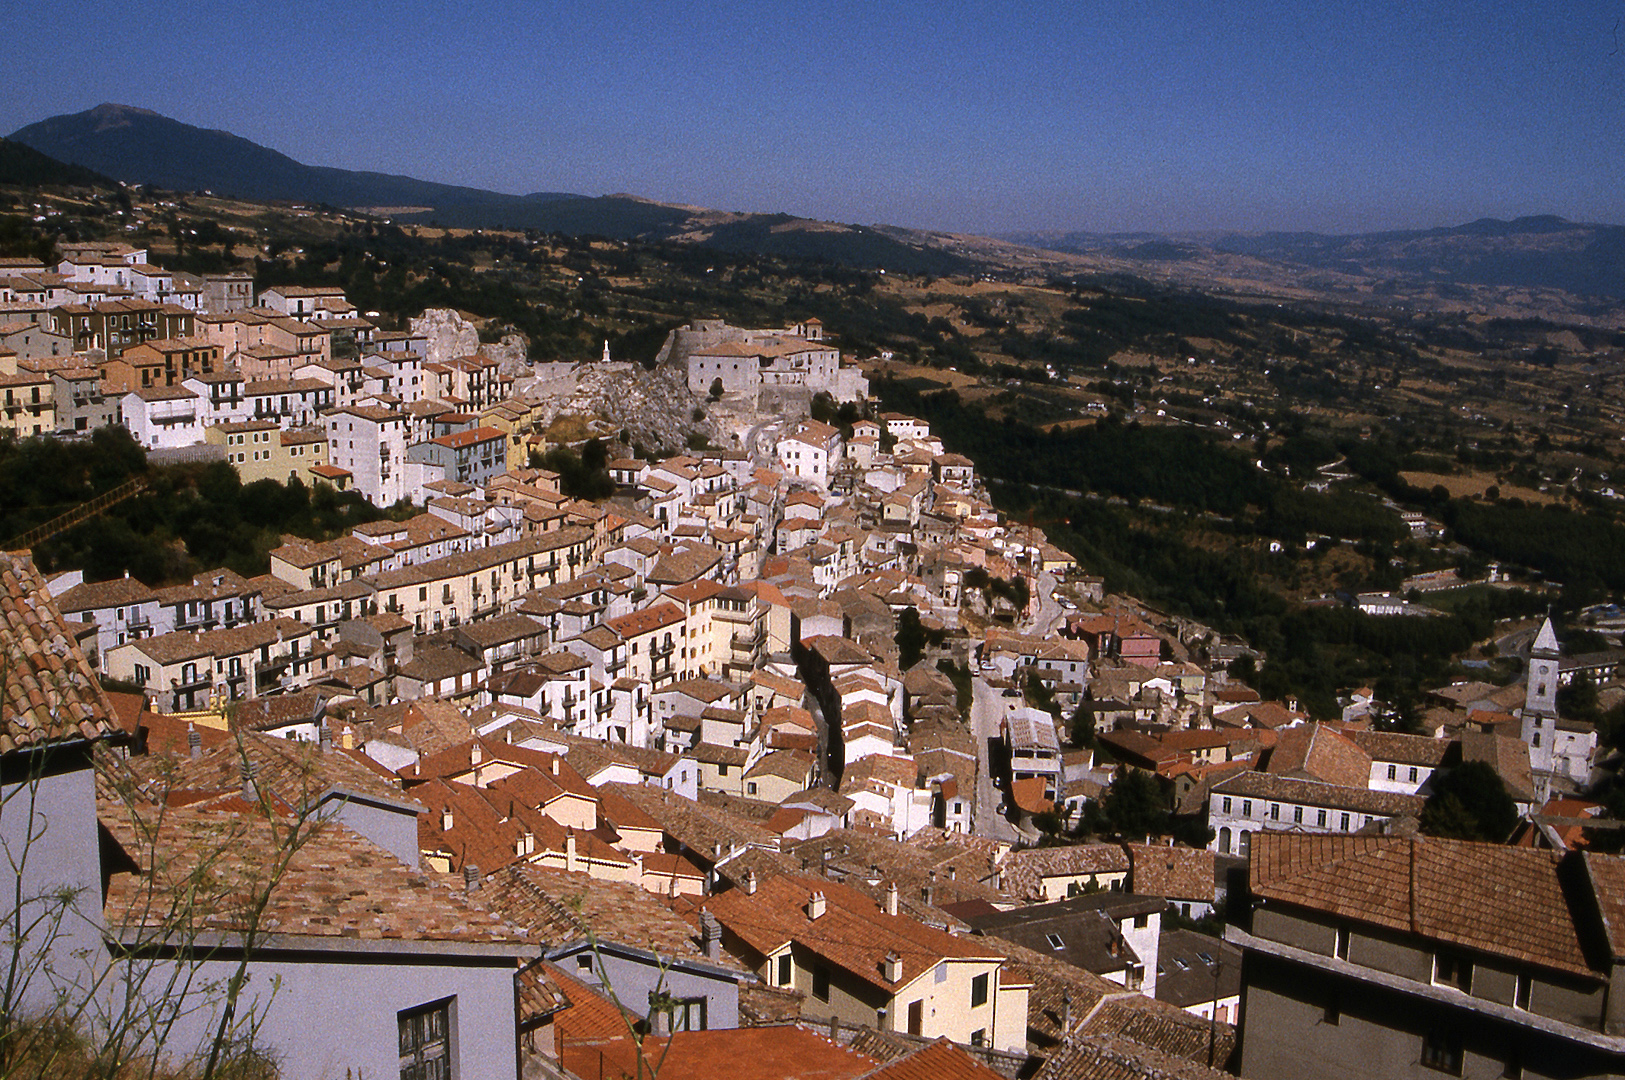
[571, 863]
[555, 764]
[816, 904]
[750, 883]
[530, 842]
[446, 820]
[474, 754]
[891, 899]
[1066, 1014]
[952, 873]
[925, 893]
[893, 967]
[251, 793]
[834, 1027]
[710, 936]
[471, 878]
[324, 737]
[194, 742]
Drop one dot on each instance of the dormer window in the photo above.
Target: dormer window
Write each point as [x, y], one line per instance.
[1453, 971]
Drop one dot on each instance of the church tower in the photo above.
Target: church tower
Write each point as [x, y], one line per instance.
[1540, 699]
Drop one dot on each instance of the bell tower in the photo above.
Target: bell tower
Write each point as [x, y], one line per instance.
[1540, 698]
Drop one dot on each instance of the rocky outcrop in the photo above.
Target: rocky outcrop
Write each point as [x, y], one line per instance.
[449, 335]
[511, 354]
[654, 408]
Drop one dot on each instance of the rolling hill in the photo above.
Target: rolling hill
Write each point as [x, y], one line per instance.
[139, 146]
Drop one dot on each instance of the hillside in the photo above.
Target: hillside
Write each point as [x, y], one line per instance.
[139, 146]
[1531, 265]
[23, 166]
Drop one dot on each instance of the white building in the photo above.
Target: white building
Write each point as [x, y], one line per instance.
[369, 442]
[163, 417]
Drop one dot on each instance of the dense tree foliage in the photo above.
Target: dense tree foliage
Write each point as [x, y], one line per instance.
[191, 517]
[1470, 802]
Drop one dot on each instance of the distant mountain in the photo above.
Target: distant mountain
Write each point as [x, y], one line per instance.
[139, 146]
[23, 166]
[1542, 252]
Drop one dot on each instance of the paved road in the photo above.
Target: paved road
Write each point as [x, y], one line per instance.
[987, 708]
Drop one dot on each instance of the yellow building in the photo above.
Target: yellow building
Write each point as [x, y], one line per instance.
[260, 450]
[27, 399]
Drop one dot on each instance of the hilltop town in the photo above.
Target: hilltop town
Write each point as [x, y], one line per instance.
[707, 710]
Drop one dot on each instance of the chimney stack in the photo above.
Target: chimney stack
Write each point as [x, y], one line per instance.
[194, 742]
[893, 967]
[1066, 1014]
[324, 737]
[816, 905]
[891, 899]
[471, 878]
[251, 792]
[555, 764]
[710, 936]
[571, 863]
[925, 893]
[750, 883]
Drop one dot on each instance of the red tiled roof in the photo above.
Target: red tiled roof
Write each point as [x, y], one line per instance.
[1500, 900]
[50, 694]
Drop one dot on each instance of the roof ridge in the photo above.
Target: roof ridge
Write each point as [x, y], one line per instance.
[1415, 888]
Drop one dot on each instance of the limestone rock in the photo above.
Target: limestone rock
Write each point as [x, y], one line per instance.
[449, 335]
[510, 354]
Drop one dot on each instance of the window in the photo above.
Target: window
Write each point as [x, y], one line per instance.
[1453, 971]
[1275, 811]
[1520, 992]
[425, 1038]
[979, 1037]
[750, 788]
[1332, 1013]
[785, 971]
[1141, 922]
[1341, 946]
[584, 962]
[820, 981]
[941, 975]
[1055, 941]
[1297, 815]
[1345, 825]
[978, 990]
[1227, 804]
[1441, 1049]
[1320, 818]
[1393, 772]
[1246, 808]
[1413, 774]
[688, 1014]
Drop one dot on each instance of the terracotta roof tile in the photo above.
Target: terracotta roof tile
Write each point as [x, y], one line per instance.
[1499, 900]
[51, 694]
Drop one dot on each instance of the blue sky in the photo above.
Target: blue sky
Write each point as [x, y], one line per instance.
[970, 117]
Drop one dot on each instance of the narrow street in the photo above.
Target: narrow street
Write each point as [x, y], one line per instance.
[987, 708]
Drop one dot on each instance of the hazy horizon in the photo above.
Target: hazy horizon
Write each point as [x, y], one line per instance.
[1252, 117]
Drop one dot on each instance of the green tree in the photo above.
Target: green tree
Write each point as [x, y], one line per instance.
[1135, 806]
[910, 638]
[1470, 803]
